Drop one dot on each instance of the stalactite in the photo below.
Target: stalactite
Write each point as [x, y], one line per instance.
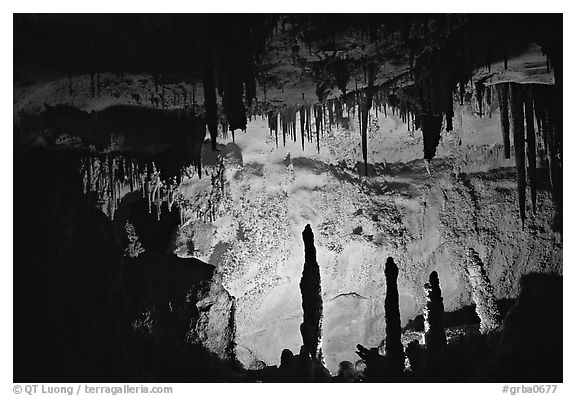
[308, 123]
[317, 121]
[531, 143]
[449, 109]
[517, 111]
[482, 293]
[364, 114]
[310, 287]
[479, 89]
[435, 334]
[284, 127]
[209, 87]
[502, 90]
[542, 120]
[302, 124]
[394, 348]
[170, 197]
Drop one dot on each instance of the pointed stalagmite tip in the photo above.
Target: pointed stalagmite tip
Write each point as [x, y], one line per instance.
[391, 267]
[434, 278]
[308, 231]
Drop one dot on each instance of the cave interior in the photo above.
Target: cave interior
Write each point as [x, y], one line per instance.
[288, 198]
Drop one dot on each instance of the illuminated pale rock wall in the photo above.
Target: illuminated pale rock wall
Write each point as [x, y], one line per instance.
[423, 220]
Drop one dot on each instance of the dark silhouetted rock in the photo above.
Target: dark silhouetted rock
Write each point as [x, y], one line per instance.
[311, 327]
[394, 349]
[435, 334]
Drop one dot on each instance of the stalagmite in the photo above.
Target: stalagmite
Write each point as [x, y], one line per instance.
[517, 111]
[394, 348]
[431, 127]
[435, 334]
[502, 90]
[482, 293]
[310, 287]
[531, 143]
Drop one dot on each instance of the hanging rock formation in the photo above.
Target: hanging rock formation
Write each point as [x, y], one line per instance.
[365, 110]
[210, 104]
[531, 143]
[517, 111]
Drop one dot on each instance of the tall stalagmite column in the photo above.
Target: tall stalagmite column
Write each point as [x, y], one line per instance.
[311, 327]
[394, 348]
[435, 334]
[482, 293]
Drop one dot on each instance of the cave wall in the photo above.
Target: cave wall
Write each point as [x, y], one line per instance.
[425, 221]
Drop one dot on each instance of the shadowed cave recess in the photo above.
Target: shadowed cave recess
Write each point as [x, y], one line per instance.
[288, 198]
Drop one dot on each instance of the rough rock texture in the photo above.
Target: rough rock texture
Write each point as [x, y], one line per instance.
[421, 220]
[482, 293]
[215, 327]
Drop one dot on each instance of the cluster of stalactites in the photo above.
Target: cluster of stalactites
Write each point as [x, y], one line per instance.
[316, 119]
[229, 54]
[294, 120]
[534, 142]
[386, 98]
[206, 209]
[112, 176]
